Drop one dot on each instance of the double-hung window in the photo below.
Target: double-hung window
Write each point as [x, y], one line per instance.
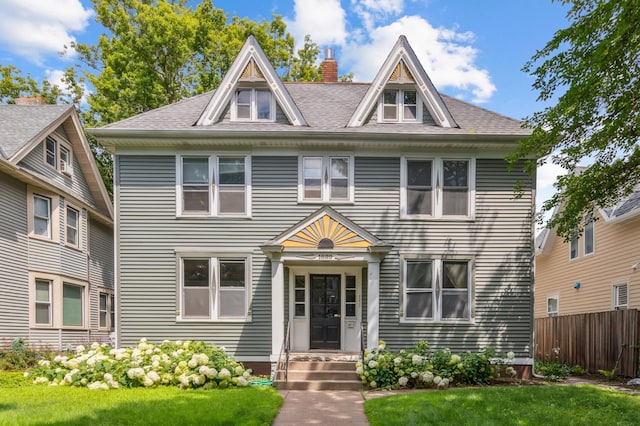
[436, 289]
[58, 155]
[214, 288]
[552, 306]
[213, 185]
[620, 296]
[107, 310]
[44, 302]
[72, 227]
[326, 178]
[588, 235]
[42, 216]
[439, 188]
[400, 106]
[252, 104]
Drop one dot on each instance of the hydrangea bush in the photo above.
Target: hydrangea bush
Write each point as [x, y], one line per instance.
[423, 367]
[185, 364]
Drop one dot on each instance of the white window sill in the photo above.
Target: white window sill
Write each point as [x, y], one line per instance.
[208, 320]
[439, 322]
[210, 216]
[328, 202]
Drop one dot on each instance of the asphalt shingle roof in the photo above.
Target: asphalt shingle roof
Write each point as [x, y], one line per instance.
[19, 124]
[326, 107]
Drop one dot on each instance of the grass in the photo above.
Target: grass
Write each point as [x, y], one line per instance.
[24, 404]
[527, 405]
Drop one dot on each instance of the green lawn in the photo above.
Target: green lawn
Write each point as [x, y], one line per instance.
[25, 404]
[527, 405]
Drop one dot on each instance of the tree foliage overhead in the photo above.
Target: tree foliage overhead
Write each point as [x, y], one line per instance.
[157, 52]
[14, 85]
[593, 67]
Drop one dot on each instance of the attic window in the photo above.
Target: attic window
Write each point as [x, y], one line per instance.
[253, 105]
[400, 106]
[58, 155]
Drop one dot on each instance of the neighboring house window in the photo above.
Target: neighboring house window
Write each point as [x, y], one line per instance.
[436, 289]
[43, 302]
[253, 105]
[620, 296]
[214, 288]
[401, 106]
[573, 247]
[588, 235]
[51, 151]
[214, 185]
[72, 305]
[552, 306]
[107, 310]
[326, 178]
[437, 188]
[42, 216]
[58, 155]
[73, 227]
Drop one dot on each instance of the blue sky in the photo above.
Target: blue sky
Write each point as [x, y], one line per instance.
[472, 50]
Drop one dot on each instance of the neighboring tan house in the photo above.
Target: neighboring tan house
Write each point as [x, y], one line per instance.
[598, 271]
[56, 241]
[337, 211]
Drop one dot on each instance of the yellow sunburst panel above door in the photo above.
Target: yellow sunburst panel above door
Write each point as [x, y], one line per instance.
[330, 232]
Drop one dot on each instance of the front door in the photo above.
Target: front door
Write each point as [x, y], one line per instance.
[325, 311]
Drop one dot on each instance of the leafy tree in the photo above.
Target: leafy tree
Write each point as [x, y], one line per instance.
[14, 85]
[593, 67]
[303, 66]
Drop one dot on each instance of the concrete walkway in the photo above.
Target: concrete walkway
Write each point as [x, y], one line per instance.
[321, 407]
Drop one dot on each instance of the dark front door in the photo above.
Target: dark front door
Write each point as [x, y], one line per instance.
[325, 312]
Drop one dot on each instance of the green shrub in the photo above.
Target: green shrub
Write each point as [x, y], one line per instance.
[422, 367]
[184, 364]
[553, 371]
[17, 355]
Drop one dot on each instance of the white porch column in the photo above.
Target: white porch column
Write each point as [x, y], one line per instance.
[277, 305]
[373, 304]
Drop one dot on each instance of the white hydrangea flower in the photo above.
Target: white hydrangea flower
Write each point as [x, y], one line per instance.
[95, 346]
[155, 377]
[437, 380]
[40, 380]
[427, 377]
[455, 359]
[373, 384]
[242, 381]
[372, 364]
[381, 346]
[108, 377]
[511, 371]
[224, 373]
[147, 381]
[414, 374]
[193, 363]
[359, 370]
[44, 363]
[80, 349]
[184, 380]
[402, 381]
[511, 355]
[211, 373]
[397, 361]
[416, 359]
[239, 370]
[443, 383]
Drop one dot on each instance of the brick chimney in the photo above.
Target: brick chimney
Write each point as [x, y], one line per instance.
[30, 100]
[329, 67]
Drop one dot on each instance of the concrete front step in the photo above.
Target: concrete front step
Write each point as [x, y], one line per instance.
[319, 375]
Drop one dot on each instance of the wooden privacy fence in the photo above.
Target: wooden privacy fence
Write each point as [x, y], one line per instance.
[593, 341]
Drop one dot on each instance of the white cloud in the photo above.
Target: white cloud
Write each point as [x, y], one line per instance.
[324, 20]
[546, 176]
[446, 55]
[55, 77]
[36, 28]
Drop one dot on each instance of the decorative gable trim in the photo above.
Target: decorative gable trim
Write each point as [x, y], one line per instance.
[402, 66]
[251, 64]
[325, 229]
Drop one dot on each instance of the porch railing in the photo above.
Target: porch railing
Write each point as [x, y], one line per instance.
[362, 344]
[283, 365]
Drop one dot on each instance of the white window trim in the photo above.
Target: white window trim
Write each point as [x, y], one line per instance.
[214, 198]
[110, 306]
[254, 105]
[325, 187]
[400, 106]
[50, 302]
[54, 225]
[60, 167]
[588, 221]
[57, 282]
[437, 270]
[615, 297]
[214, 285]
[557, 311]
[437, 181]
[79, 233]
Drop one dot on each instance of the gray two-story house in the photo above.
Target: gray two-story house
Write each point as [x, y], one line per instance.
[331, 211]
[56, 240]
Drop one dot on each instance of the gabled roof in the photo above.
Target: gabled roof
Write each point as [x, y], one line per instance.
[251, 55]
[23, 127]
[402, 57]
[626, 208]
[326, 229]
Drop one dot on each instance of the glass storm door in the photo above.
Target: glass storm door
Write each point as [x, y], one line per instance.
[325, 311]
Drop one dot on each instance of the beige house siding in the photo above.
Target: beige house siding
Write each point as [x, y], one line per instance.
[616, 250]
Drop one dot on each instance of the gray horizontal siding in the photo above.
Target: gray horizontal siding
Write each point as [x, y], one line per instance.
[100, 254]
[75, 185]
[499, 238]
[14, 278]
